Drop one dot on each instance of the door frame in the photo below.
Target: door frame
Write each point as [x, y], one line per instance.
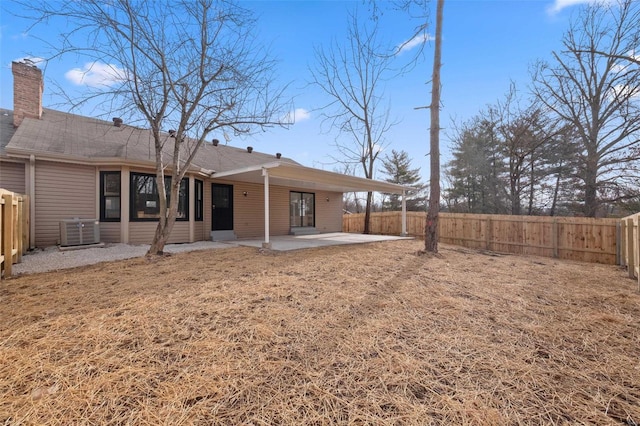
[231, 206]
[302, 193]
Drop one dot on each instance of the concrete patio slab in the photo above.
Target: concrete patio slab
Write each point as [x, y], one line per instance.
[291, 242]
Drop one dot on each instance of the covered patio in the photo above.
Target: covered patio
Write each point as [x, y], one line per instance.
[291, 174]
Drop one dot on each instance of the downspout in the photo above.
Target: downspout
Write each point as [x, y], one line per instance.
[404, 214]
[32, 201]
[266, 244]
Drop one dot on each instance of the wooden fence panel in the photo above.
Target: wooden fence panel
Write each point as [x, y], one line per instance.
[582, 239]
[14, 230]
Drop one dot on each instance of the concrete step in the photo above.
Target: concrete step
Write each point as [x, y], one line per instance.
[303, 230]
[223, 235]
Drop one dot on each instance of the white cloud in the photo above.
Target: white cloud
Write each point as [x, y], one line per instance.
[414, 42]
[96, 74]
[626, 91]
[21, 36]
[624, 64]
[558, 5]
[297, 115]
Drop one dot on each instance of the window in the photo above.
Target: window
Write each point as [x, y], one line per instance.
[199, 204]
[145, 203]
[110, 196]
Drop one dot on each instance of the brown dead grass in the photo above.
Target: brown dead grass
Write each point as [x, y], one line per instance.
[365, 335]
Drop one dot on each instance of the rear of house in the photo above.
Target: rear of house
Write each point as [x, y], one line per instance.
[76, 167]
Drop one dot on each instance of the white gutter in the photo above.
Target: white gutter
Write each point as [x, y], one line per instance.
[286, 170]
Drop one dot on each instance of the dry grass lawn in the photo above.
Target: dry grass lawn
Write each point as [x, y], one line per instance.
[362, 335]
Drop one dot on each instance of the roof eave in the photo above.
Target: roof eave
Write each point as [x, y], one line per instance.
[95, 161]
[290, 171]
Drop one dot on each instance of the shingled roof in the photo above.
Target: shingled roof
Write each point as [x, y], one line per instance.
[6, 129]
[63, 135]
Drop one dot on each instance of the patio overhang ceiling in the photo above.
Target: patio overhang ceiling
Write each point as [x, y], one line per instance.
[295, 175]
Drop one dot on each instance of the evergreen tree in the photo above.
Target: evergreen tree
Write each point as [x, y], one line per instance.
[397, 167]
[477, 173]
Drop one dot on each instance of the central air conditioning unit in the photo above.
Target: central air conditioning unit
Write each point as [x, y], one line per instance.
[78, 232]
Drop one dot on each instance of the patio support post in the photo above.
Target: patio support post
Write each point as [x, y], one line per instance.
[266, 244]
[404, 214]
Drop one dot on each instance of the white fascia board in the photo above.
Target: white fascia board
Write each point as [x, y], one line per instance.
[248, 169]
[308, 174]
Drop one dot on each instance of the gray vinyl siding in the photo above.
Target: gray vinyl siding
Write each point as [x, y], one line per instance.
[62, 191]
[199, 231]
[328, 213]
[110, 232]
[12, 177]
[248, 212]
[142, 232]
[279, 223]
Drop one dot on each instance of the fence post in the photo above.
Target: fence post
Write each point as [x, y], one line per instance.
[623, 242]
[618, 247]
[555, 236]
[26, 205]
[18, 228]
[7, 229]
[489, 234]
[631, 256]
[638, 245]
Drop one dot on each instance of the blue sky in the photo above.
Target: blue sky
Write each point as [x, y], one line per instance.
[486, 45]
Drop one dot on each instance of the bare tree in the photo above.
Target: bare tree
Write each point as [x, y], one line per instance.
[192, 66]
[350, 200]
[598, 96]
[523, 132]
[352, 76]
[431, 226]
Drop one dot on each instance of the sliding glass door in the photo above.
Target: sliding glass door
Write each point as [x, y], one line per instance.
[302, 209]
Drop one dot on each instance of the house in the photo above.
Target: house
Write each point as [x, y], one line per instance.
[79, 167]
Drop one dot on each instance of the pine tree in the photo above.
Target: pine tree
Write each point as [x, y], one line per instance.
[397, 167]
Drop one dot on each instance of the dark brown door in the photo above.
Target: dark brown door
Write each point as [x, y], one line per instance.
[221, 207]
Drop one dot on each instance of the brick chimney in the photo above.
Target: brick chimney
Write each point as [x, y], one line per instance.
[27, 91]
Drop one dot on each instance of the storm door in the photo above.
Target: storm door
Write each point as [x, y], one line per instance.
[221, 207]
[302, 209]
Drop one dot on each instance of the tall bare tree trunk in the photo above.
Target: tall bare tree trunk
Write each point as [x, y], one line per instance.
[367, 214]
[431, 227]
[165, 223]
[591, 187]
[556, 190]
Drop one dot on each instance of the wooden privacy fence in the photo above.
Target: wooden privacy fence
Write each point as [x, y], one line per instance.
[14, 230]
[575, 238]
[630, 245]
